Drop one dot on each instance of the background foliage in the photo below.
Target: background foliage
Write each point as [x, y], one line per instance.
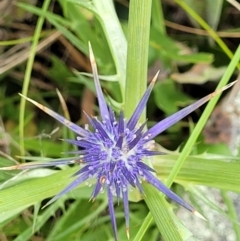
[44, 46]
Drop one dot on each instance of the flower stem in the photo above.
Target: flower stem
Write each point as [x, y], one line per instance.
[137, 53]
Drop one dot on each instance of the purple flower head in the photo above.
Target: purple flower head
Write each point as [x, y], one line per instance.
[114, 152]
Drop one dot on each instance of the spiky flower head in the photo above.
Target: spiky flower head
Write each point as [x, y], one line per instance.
[114, 152]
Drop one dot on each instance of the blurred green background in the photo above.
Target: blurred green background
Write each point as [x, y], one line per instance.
[44, 47]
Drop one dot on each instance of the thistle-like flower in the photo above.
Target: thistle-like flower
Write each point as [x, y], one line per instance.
[114, 152]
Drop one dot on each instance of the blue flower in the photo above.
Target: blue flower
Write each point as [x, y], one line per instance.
[114, 152]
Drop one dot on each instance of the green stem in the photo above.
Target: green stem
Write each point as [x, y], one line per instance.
[137, 53]
[163, 215]
[137, 65]
[28, 72]
[136, 82]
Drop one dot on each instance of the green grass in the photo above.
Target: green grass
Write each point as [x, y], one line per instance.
[124, 51]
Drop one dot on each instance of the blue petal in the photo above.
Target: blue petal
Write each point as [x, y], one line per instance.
[101, 101]
[77, 129]
[135, 141]
[91, 157]
[80, 152]
[120, 130]
[112, 213]
[120, 141]
[32, 165]
[142, 104]
[111, 116]
[142, 165]
[139, 130]
[81, 143]
[89, 119]
[86, 168]
[138, 184]
[118, 190]
[96, 190]
[128, 175]
[174, 118]
[121, 123]
[152, 153]
[98, 126]
[161, 187]
[70, 187]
